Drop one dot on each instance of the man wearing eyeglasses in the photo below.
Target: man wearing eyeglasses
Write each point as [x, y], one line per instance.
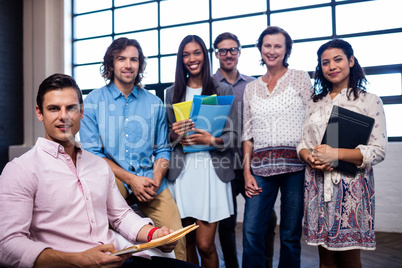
[227, 51]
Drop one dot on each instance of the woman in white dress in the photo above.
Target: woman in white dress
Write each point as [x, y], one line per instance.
[199, 181]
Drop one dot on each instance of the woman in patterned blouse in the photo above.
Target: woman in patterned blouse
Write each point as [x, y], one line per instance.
[274, 108]
[339, 207]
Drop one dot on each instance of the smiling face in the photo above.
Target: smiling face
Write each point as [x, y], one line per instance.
[336, 67]
[227, 62]
[125, 67]
[61, 115]
[273, 49]
[193, 58]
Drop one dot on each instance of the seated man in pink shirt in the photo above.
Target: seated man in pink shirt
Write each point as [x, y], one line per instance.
[57, 200]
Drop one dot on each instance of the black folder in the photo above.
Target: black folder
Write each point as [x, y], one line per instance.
[347, 129]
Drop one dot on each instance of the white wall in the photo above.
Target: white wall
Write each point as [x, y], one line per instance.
[388, 192]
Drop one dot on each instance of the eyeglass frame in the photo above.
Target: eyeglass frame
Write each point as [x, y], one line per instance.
[232, 50]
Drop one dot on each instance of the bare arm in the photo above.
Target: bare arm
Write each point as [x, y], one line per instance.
[201, 137]
[327, 154]
[251, 186]
[180, 129]
[161, 166]
[247, 151]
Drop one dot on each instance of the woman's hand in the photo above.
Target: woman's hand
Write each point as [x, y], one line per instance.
[201, 137]
[325, 153]
[179, 129]
[328, 155]
[251, 186]
[313, 161]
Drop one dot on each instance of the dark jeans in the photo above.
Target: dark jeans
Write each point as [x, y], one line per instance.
[227, 233]
[257, 214]
[156, 262]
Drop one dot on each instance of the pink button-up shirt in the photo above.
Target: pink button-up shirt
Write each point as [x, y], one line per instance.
[48, 202]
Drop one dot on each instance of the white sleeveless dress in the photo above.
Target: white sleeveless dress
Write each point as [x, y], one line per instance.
[198, 191]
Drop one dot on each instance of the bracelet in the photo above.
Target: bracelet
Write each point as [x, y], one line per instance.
[151, 233]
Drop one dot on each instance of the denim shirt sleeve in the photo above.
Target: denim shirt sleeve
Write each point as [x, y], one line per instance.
[162, 149]
[89, 130]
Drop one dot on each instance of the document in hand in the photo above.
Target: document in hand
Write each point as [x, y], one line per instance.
[210, 114]
[167, 239]
[347, 129]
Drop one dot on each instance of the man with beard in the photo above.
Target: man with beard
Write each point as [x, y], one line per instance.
[126, 125]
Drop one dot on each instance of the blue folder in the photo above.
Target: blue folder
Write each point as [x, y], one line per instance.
[209, 117]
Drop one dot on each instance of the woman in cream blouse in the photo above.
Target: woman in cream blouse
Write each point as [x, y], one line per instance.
[338, 207]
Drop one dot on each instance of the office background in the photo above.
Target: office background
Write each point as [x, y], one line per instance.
[41, 37]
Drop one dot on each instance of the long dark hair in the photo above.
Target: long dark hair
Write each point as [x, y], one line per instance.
[113, 50]
[181, 77]
[270, 30]
[357, 78]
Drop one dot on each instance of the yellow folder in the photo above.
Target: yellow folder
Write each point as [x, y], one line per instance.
[167, 239]
[182, 110]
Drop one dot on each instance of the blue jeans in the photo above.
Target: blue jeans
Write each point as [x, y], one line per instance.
[257, 213]
[227, 233]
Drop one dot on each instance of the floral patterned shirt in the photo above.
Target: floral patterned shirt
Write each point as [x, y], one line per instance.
[317, 116]
[274, 122]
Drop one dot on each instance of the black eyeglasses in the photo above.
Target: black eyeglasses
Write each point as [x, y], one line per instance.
[224, 51]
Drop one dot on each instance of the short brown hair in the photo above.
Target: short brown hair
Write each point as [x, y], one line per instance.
[226, 36]
[57, 81]
[270, 30]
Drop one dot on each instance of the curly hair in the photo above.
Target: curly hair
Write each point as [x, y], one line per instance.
[357, 78]
[116, 48]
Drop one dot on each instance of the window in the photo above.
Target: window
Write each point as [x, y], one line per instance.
[372, 27]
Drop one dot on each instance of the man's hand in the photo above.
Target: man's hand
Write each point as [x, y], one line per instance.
[144, 188]
[98, 256]
[162, 232]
